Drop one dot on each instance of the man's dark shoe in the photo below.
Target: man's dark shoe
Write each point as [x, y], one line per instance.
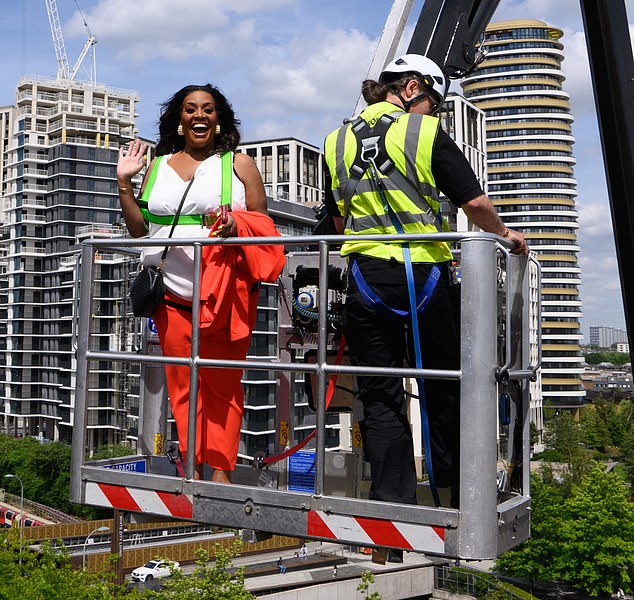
[394, 556]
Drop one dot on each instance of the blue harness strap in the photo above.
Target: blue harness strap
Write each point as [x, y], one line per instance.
[373, 299]
[368, 155]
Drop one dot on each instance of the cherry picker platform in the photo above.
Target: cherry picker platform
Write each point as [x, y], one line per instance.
[500, 331]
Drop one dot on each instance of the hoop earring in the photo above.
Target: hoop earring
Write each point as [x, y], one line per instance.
[179, 129]
[218, 129]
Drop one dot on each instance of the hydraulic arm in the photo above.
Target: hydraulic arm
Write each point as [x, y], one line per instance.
[449, 32]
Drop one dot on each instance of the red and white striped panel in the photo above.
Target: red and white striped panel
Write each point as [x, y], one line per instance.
[376, 532]
[139, 500]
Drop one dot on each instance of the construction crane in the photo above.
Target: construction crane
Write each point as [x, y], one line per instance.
[63, 67]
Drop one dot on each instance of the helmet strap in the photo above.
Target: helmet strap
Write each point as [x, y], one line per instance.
[407, 104]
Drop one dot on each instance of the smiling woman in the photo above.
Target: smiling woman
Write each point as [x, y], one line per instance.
[185, 185]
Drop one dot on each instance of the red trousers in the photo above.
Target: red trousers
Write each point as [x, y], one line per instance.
[220, 393]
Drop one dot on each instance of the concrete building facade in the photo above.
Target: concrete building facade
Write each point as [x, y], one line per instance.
[291, 169]
[605, 337]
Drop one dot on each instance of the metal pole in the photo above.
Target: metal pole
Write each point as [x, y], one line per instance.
[81, 387]
[153, 404]
[98, 529]
[21, 516]
[116, 545]
[193, 368]
[21, 523]
[478, 406]
[612, 70]
[322, 354]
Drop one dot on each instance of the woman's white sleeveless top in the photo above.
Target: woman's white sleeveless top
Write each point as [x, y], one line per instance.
[203, 197]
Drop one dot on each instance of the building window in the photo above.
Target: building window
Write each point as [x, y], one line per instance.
[267, 164]
[311, 163]
[283, 164]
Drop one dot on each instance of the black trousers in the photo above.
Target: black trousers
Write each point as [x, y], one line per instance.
[379, 339]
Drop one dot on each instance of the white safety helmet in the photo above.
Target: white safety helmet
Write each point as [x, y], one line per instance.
[429, 71]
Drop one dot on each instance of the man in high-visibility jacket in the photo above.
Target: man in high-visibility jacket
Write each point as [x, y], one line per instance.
[386, 170]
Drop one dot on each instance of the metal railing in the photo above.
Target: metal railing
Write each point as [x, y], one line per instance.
[474, 530]
[469, 583]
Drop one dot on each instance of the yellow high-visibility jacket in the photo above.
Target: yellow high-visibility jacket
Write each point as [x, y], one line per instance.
[409, 143]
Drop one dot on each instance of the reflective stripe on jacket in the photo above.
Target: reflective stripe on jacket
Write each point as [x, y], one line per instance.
[409, 143]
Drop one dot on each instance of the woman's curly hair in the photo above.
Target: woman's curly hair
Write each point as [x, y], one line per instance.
[169, 140]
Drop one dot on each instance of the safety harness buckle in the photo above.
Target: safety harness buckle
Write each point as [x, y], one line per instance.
[370, 148]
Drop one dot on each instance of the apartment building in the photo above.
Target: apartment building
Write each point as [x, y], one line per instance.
[291, 169]
[605, 337]
[60, 144]
[531, 180]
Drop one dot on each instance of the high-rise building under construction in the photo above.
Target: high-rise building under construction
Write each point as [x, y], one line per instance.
[61, 146]
[531, 180]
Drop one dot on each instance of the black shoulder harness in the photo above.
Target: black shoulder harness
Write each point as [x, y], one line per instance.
[370, 144]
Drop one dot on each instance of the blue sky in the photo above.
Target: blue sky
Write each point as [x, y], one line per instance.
[293, 68]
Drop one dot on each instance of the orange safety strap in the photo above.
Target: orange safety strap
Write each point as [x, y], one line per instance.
[332, 384]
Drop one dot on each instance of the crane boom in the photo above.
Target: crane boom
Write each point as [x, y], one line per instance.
[448, 33]
[63, 68]
[90, 42]
[388, 43]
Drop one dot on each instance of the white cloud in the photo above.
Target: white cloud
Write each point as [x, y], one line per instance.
[600, 289]
[286, 74]
[554, 13]
[311, 75]
[306, 86]
[596, 221]
[175, 30]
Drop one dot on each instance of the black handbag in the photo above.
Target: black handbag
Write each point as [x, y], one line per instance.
[147, 291]
[148, 288]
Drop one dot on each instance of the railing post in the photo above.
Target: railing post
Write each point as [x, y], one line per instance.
[153, 391]
[478, 405]
[81, 386]
[193, 366]
[322, 354]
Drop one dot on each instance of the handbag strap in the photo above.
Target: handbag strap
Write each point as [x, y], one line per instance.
[178, 212]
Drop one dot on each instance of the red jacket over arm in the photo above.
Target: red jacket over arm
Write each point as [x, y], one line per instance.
[228, 291]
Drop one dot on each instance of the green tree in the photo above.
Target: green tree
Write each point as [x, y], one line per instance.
[113, 451]
[563, 435]
[367, 579]
[535, 557]
[534, 434]
[209, 582]
[585, 539]
[616, 358]
[598, 530]
[627, 453]
[35, 575]
[594, 358]
[594, 430]
[45, 472]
